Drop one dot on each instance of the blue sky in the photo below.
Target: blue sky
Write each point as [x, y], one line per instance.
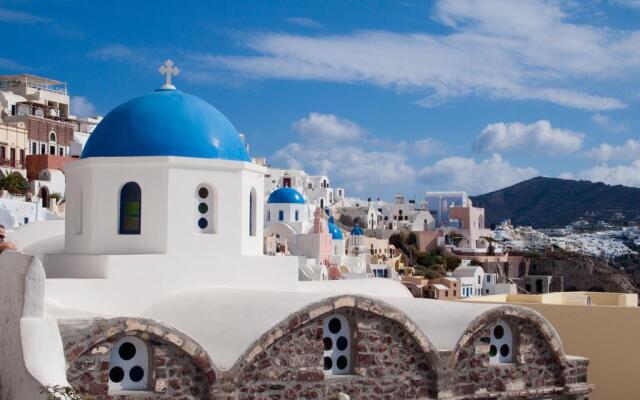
[381, 96]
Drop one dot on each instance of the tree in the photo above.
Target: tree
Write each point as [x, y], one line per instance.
[360, 222]
[15, 183]
[346, 220]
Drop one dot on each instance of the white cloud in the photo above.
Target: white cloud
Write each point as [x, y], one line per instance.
[340, 149]
[627, 175]
[114, 52]
[19, 17]
[82, 107]
[607, 124]
[628, 3]
[305, 22]
[326, 127]
[458, 173]
[426, 147]
[628, 151]
[525, 50]
[539, 136]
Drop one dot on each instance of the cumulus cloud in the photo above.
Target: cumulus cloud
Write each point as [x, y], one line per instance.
[607, 124]
[326, 127]
[339, 148]
[628, 151]
[627, 175]
[495, 48]
[540, 136]
[458, 173]
[82, 107]
[426, 147]
[305, 22]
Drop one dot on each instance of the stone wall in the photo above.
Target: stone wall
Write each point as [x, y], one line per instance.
[388, 363]
[391, 358]
[178, 367]
[537, 366]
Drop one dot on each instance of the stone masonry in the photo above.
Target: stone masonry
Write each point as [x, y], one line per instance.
[391, 359]
[180, 370]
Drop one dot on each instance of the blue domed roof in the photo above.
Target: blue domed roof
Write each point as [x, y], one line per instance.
[336, 233]
[166, 123]
[285, 195]
[356, 231]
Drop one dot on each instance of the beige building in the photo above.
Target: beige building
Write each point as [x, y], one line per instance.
[380, 248]
[602, 327]
[446, 288]
[14, 144]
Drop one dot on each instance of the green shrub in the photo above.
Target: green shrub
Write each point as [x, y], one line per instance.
[15, 183]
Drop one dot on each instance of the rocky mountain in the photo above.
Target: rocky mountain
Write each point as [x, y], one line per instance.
[585, 273]
[551, 202]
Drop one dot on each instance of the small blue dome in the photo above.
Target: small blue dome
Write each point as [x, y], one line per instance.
[166, 123]
[356, 231]
[285, 195]
[336, 233]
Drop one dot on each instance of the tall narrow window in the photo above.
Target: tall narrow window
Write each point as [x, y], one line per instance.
[280, 215]
[130, 209]
[501, 348]
[336, 340]
[252, 212]
[76, 194]
[297, 215]
[205, 200]
[34, 148]
[129, 365]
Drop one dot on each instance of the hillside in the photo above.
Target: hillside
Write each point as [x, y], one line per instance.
[551, 202]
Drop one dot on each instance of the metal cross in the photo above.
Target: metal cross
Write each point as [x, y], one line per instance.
[168, 69]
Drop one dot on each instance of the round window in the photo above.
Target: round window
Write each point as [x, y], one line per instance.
[127, 351]
[116, 374]
[334, 325]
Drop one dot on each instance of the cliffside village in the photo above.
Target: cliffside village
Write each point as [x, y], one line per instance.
[333, 236]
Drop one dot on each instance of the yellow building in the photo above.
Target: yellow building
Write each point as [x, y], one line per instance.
[604, 327]
[13, 145]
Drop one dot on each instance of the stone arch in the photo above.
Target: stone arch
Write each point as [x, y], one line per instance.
[90, 343]
[469, 363]
[307, 323]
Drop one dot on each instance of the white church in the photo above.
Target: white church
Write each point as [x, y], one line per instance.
[156, 287]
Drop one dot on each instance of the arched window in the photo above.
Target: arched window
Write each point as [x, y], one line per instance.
[252, 212]
[129, 365]
[130, 209]
[205, 209]
[52, 136]
[501, 350]
[336, 340]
